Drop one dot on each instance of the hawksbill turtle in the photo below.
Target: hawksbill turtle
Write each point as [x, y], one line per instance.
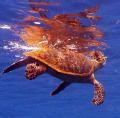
[68, 66]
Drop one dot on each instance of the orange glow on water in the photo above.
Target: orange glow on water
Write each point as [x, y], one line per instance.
[64, 31]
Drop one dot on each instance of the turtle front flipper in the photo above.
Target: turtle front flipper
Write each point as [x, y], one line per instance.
[35, 69]
[61, 87]
[19, 64]
[99, 93]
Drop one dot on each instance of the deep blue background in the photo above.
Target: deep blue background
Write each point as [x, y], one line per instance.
[20, 98]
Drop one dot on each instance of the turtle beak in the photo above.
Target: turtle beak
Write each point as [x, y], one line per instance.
[105, 58]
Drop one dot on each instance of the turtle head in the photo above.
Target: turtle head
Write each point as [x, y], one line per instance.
[99, 56]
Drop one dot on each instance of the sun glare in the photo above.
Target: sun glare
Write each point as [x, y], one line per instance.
[16, 45]
[12, 46]
[5, 27]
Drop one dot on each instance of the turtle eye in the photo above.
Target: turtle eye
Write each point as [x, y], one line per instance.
[99, 58]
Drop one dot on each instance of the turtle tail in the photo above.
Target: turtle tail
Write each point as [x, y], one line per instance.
[19, 64]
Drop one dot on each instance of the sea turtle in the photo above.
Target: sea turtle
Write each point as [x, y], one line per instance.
[68, 66]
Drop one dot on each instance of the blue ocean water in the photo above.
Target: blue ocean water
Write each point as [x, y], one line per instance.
[20, 98]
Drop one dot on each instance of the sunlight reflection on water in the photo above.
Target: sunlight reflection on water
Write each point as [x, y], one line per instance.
[12, 46]
[5, 27]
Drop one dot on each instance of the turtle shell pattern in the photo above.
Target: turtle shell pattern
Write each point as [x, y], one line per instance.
[67, 62]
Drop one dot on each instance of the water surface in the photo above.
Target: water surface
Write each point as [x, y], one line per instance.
[22, 98]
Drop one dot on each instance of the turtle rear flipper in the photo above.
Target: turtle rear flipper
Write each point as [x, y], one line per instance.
[35, 69]
[61, 87]
[99, 93]
[19, 64]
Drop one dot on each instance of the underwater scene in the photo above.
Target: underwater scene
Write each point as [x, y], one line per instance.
[59, 59]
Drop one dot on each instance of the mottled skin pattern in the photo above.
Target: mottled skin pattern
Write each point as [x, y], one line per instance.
[68, 66]
[33, 70]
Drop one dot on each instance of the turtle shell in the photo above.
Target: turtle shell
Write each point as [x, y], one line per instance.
[67, 62]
